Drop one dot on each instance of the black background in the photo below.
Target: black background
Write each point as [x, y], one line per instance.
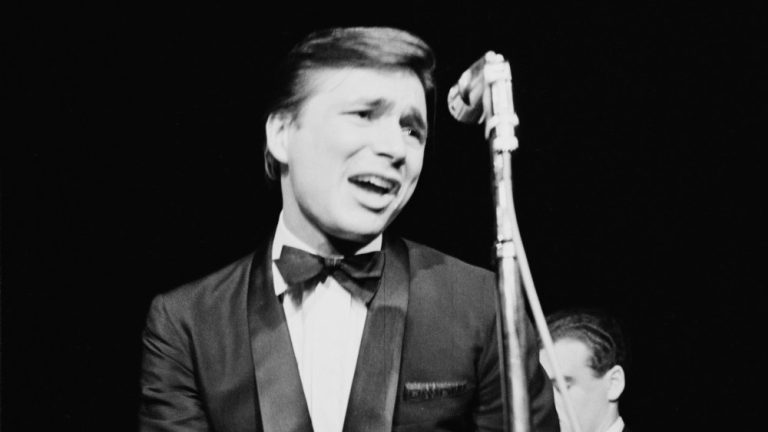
[132, 164]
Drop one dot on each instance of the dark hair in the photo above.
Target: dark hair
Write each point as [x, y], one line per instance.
[600, 332]
[381, 48]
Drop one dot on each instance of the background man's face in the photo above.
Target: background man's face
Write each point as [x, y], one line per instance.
[354, 153]
[587, 393]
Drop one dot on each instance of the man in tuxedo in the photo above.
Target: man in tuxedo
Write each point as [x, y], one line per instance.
[591, 354]
[332, 325]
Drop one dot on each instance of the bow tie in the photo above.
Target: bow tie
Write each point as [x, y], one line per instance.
[358, 274]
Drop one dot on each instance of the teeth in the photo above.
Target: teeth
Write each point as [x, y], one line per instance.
[376, 181]
[380, 182]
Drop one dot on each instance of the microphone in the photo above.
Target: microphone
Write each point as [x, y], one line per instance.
[484, 94]
[465, 98]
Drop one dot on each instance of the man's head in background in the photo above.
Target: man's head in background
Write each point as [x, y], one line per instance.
[591, 353]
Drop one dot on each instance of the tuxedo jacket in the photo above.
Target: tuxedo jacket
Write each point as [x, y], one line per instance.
[218, 355]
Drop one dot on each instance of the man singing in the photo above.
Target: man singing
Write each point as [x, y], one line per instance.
[332, 325]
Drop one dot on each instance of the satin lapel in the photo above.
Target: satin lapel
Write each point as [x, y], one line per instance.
[374, 389]
[281, 397]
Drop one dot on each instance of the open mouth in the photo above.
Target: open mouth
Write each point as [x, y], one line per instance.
[375, 184]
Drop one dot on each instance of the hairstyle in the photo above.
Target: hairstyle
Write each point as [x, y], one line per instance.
[380, 48]
[600, 332]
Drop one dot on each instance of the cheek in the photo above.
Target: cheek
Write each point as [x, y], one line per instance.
[558, 400]
[576, 397]
[314, 161]
[414, 162]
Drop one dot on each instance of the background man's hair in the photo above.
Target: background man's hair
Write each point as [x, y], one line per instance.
[599, 331]
[380, 48]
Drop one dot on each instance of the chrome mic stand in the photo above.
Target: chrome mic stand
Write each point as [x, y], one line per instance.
[492, 76]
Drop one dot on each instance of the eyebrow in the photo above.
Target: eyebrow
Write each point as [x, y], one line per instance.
[412, 116]
[378, 103]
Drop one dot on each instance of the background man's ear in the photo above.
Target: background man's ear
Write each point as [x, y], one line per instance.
[278, 128]
[616, 383]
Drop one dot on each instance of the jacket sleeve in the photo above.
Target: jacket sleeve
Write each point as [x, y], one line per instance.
[489, 412]
[170, 400]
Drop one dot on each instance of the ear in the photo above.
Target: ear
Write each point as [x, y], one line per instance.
[278, 129]
[616, 383]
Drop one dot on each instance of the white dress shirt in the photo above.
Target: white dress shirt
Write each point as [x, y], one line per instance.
[326, 327]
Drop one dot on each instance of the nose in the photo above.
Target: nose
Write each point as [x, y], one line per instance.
[390, 142]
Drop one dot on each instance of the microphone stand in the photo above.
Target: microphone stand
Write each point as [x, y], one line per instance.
[512, 265]
[500, 121]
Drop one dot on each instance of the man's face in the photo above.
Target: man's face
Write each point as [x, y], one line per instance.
[353, 153]
[588, 394]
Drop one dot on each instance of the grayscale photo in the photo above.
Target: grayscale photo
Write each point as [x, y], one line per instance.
[400, 216]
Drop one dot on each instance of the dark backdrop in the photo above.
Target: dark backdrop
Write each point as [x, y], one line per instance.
[133, 164]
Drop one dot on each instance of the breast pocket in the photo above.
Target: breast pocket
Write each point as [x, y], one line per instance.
[435, 403]
[424, 391]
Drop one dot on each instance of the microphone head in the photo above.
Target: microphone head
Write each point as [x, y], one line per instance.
[462, 108]
[465, 98]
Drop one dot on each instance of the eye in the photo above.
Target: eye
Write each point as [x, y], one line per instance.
[555, 386]
[363, 114]
[412, 132]
[568, 385]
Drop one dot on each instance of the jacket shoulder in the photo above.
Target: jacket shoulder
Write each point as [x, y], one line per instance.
[425, 257]
[443, 279]
[228, 281]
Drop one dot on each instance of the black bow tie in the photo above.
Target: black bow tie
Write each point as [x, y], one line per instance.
[358, 274]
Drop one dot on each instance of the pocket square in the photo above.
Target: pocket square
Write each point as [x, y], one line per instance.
[422, 391]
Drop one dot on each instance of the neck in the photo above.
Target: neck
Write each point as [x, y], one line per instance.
[343, 247]
[610, 418]
[321, 242]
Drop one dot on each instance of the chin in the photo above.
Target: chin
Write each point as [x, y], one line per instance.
[359, 234]
[361, 229]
